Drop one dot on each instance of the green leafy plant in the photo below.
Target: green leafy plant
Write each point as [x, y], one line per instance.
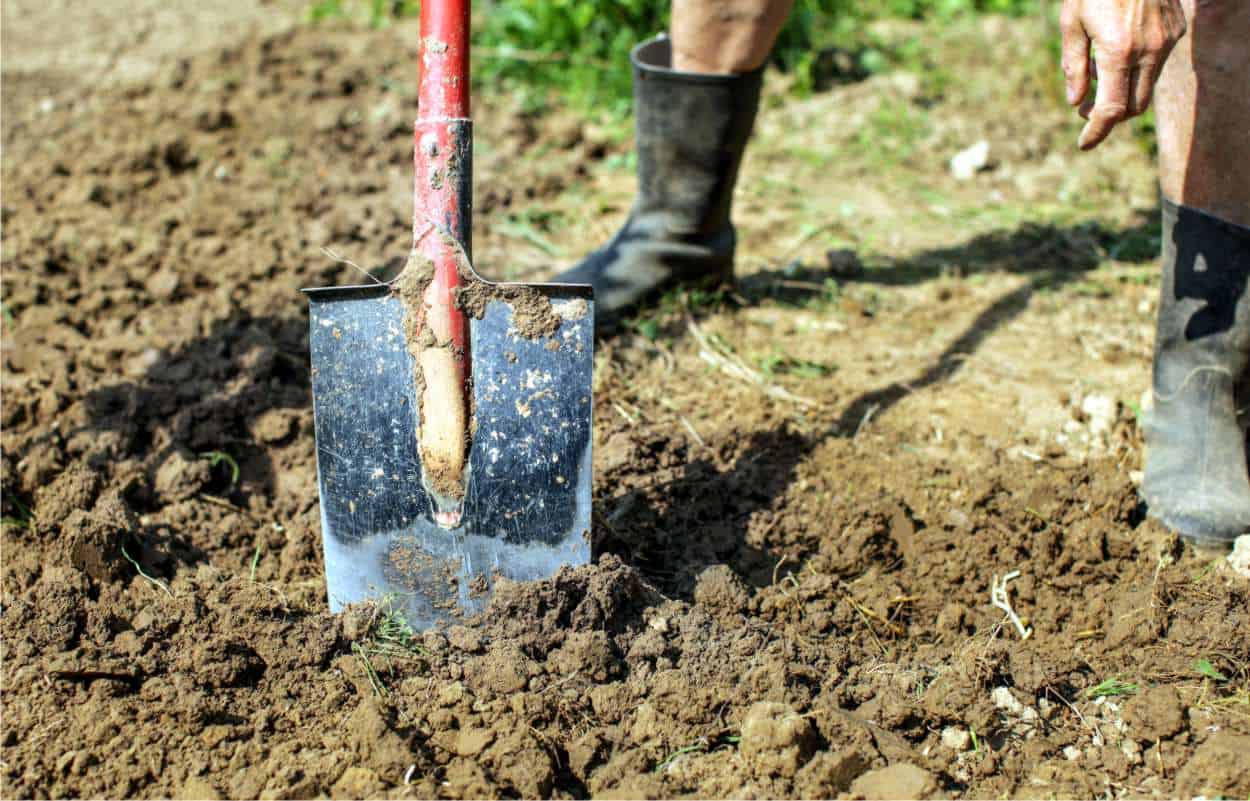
[1205, 668]
[579, 48]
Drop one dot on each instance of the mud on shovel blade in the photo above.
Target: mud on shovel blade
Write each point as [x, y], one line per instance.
[527, 500]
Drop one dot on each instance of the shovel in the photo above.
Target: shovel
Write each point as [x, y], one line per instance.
[453, 415]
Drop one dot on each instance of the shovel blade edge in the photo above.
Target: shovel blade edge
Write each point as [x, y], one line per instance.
[527, 503]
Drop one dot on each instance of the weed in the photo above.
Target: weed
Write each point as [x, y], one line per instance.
[649, 327]
[892, 132]
[151, 579]
[1092, 289]
[1110, 688]
[255, 559]
[976, 742]
[376, 13]
[375, 681]
[221, 457]
[23, 515]
[701, 745]
[783, 364]
[1205, 668]
[388, 637]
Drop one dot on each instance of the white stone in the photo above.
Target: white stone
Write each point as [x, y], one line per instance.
[956, 739]
[971, 160]
[1101, 410]
[1239, 559]
[1004, 700]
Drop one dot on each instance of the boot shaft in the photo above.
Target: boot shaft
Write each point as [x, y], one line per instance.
[692, 130]
[1204, 306]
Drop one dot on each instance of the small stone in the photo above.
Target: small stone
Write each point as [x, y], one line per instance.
[956, 739]
[1239, 559]
[1071, 753]
[971, 160]
[163, 284]
[273, 426]
[1004, 700]
[903, 780]
[64, 761]
[1101, 411]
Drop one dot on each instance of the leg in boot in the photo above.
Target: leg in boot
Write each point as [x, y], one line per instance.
[1196, 473]
[692, 128]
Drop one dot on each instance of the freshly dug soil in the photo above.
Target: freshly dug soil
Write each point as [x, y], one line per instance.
[784, 603]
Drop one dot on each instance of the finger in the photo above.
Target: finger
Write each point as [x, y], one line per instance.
[1145, 75]
[1111, 104]
[1075, 56]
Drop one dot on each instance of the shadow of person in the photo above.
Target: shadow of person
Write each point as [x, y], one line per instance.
[672, 523]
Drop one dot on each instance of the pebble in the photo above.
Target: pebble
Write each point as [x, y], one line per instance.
[971, 160]
[1101, 410]
[1239, 559]
[956, 739]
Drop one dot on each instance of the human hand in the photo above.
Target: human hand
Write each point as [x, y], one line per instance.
[1132, 39]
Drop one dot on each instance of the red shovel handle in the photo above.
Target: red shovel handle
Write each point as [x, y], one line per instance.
[443, 139]
[442, 222]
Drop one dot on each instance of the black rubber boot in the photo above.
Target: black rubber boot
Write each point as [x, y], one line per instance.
[691, 132]
[1195, 479]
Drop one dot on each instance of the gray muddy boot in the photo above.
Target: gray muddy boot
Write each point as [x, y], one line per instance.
[1195, 479]
[691, 132]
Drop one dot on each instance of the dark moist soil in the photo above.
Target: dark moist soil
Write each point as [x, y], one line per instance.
[776, 610]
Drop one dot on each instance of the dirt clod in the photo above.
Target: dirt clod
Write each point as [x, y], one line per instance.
[776, 739]
[896, 781]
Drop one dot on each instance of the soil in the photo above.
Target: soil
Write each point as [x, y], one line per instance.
[791, 595]
[532, 314]
[443, 471]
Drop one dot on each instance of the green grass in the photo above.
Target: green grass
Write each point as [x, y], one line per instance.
[22, 516]
[699, 746]
[576, 51]
[374, 13]
[389, 638]
[221, 457]
[1110, 688]
[150, 579]
[779, 363]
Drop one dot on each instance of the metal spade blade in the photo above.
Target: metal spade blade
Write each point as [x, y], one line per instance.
[527, 498]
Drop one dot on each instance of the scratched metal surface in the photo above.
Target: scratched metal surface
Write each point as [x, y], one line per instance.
[527, 508]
